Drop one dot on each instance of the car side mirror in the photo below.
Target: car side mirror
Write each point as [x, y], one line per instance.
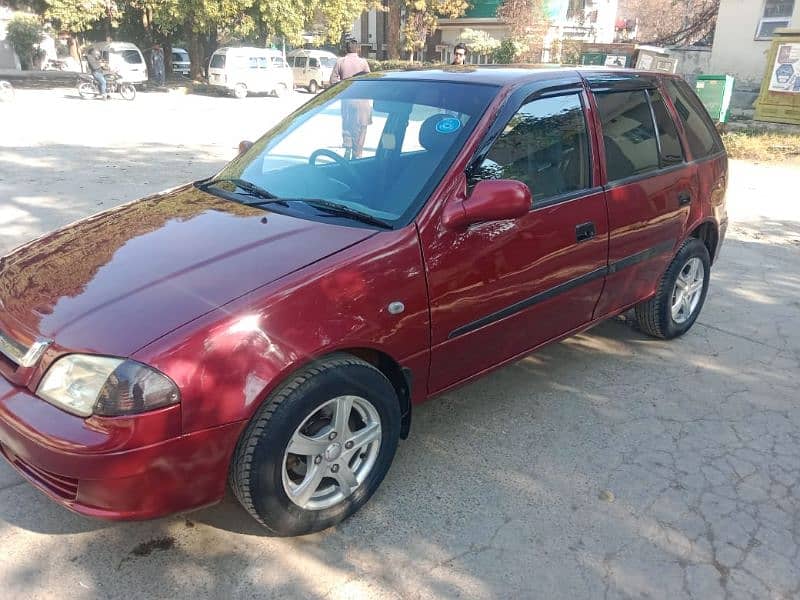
[490, 200]
[244, 146]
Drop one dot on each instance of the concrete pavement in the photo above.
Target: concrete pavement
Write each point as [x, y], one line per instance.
[610, 465]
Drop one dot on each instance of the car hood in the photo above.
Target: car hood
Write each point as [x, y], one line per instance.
[118, 280]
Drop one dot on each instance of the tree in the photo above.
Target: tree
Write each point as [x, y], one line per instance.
[25, 32]
[528, 24]
[672, 22]
[479, 42]
[78, 16]
[422, 17]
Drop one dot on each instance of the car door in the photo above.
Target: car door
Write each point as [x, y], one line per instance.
[649, 186]
[498, 290]
[299, 70]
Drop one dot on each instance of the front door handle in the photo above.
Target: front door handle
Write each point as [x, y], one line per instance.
[684, 198]
[584, 231]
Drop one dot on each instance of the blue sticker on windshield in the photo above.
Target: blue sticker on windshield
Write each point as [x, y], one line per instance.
[448, 125]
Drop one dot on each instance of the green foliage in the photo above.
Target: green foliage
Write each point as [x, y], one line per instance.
[478, 41]
[507, 52]
[76, 16]
[24, 32]
[422, 18]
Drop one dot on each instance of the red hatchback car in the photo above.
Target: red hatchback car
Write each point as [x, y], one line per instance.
[273, 326]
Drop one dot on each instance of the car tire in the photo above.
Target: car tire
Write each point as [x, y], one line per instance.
[280, 91]
[312, 87]
[680, 294]
[240, 91]
[276, 486]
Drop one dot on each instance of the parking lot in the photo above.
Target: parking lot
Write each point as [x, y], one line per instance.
[610, 465]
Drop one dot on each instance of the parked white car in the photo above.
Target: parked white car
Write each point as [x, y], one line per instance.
[250, 70]
[181, 63]
[311, 68]
[124, 58]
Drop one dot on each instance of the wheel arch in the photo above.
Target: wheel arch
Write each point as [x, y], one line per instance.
[708, 233]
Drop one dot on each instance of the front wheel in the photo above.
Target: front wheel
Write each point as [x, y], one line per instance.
[680, 295]
[280, 90]
[127, 91]
[312, 87]
[240, 91]
[87, 89]
[318, 448]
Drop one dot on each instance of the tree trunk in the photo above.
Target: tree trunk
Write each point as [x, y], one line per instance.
[393, 29]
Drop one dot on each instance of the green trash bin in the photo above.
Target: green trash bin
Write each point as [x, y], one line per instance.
[715, 92]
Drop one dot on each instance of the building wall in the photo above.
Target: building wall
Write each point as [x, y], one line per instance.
[736, 51]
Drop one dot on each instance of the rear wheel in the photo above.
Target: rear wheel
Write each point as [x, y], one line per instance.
[280, 90]
[240, 91]
[318, 448]
[127, 91]
[680, 295]
[312, 87]
[87, 89]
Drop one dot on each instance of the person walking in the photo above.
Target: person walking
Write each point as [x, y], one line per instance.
[356, 113]
[459, 54]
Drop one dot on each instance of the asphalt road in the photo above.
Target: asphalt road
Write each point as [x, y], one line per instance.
[610, 465]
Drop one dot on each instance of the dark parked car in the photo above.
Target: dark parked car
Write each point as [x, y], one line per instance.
[274, 325]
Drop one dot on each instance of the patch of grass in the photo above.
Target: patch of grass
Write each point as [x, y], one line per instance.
[764, 146]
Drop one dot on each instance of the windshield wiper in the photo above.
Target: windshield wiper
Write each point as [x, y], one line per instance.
[247, 186]
[333, 208]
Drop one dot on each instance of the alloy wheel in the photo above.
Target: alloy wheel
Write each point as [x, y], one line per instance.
[688, 290]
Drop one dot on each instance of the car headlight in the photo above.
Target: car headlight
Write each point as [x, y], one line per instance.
[85, 385]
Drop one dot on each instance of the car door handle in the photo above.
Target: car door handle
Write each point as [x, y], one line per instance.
[684, 198]
[584, 231]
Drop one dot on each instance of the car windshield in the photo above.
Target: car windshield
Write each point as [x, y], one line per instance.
[375, 146]
[130, 56]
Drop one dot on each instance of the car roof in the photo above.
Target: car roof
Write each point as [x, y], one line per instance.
[115, 46]
[310, 51]
[246, 50]
[516, 74]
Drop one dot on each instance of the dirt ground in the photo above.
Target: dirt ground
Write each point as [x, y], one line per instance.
[610, 465]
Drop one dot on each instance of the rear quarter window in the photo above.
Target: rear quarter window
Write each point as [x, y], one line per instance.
[701, 135]
[132, 57]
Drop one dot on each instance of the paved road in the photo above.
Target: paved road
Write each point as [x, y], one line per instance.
[607, 466]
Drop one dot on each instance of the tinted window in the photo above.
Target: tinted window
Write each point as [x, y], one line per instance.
[700, 133]
[671, 152]
[545, 146]
[312, 62]
[131, 57]
[628, 133]
[218, 61]
[300, 61]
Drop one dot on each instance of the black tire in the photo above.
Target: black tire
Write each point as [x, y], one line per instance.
[87, 89]
[654, 316]
[312, 87]
[127, 91]
[257, 465]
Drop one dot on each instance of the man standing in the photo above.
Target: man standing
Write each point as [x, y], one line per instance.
[459, 54]
[356, 113]
[96, 69]
[158, 65]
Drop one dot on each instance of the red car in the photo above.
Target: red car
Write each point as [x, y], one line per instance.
[274, 325]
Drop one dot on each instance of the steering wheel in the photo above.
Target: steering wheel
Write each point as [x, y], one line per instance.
[344, 163]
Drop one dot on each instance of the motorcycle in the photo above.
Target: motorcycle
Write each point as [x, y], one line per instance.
[88, 88]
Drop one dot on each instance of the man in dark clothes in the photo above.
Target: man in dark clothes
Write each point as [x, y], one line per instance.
[459, 54]
[356, 113]
[96, 69]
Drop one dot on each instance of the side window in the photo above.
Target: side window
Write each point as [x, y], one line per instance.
[545, 146]
[700, 133]
[300, 61]
[671, 152]
[252, 62]
[313, 63]
[262, 62]
[629, 136]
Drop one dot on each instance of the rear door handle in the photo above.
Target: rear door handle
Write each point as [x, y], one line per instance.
[584, 231]
[684, 198]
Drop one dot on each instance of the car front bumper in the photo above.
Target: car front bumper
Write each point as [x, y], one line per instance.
[105, 468]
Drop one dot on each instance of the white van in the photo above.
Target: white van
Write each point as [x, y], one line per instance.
[245, 70]
[123, 58]
[311, 68]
